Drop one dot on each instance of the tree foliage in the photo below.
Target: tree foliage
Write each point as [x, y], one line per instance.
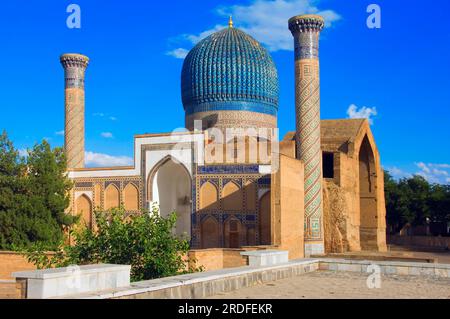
[34, 195]
[145, 241]
[415, 201]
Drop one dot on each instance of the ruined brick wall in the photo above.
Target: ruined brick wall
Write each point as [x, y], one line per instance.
[335, 218]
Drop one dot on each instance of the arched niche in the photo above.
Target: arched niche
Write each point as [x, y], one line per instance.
[232, 197]
[209, 196]
[210, 233]
[112, 197]
[367, 196]
[250, 195]
[170, 184]
[235, 234]
[131, 197]
[84, 209]
[265, 220]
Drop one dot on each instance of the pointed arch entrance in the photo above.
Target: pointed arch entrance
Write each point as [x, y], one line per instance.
[84, 210]
[169, 185]
[265, 220]
[367, 197]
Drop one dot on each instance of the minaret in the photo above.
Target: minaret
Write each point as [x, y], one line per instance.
[74, 70]
[306, 30]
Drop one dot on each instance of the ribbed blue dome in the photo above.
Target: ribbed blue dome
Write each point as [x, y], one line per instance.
[229, 70]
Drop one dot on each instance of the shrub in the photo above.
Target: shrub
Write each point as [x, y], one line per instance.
[145, 241]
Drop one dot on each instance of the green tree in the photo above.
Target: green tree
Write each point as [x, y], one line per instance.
[439, 203]
[395, 206]
[415, 201]
[34, 195]
[12, 193]
[417, 191]
[145, 241]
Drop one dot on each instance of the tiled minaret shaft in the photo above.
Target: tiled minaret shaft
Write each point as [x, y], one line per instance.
[74, 70]
[306, 30]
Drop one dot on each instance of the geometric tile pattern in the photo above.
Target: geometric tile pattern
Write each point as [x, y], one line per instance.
[229, 70]
[305, 30]
[74, 69]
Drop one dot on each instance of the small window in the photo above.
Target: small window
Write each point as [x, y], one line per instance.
[328, 165]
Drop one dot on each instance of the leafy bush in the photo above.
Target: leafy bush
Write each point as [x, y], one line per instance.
[145, 241]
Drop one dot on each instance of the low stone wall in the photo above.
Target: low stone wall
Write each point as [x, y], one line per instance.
[60, 282]
[206, 284]
[212, 283]
[420, 241]
[387, 267]
[11, 262]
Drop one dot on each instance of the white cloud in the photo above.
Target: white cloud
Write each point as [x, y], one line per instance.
[266, 21]
[104, 160]
[60, 133]
[100, 114]
[362, 113]
[194, 39]
[179, 53]
[423, 167]
[441, 165]
[398, 173]
[434, 173]
[23, 152]
[107, 135]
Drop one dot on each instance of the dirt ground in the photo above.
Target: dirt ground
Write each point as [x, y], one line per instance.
[345, 285]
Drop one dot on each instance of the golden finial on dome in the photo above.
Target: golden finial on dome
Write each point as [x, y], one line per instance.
[230, 22]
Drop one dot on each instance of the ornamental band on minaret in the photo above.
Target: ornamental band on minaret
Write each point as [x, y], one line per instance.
[74, 71]
[306, 30]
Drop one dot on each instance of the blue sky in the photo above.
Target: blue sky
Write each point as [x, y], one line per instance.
[401, 71]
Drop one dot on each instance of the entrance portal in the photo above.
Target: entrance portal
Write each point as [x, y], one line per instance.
[368, 200]
[171, 189]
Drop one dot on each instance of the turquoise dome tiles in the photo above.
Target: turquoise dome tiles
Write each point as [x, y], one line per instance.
[229, 70]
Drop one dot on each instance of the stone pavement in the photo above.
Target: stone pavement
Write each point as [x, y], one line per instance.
[345, 285]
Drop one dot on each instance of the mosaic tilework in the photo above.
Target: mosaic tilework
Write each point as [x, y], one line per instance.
[234, 119]
[305, 30]
[88, 184]
[219, 176]
[74, 68]
[228, 169]
[235, 106]
[229, 70]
